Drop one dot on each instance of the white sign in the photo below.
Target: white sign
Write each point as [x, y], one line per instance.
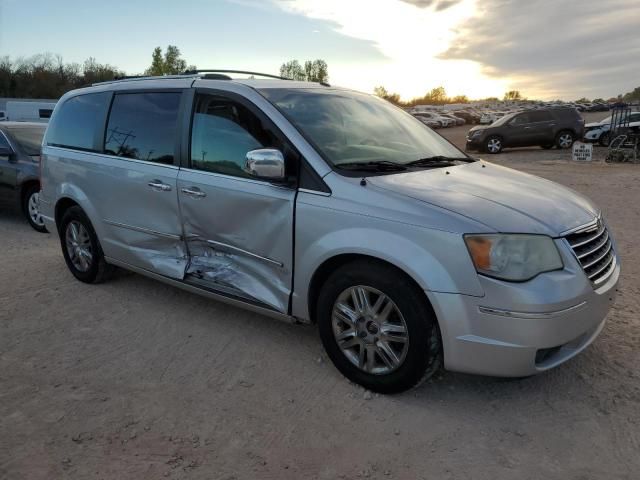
[582, 152]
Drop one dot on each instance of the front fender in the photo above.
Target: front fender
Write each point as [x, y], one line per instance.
[437, 260]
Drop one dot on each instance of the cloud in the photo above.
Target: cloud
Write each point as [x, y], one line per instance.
[438, 4]
[555, 49]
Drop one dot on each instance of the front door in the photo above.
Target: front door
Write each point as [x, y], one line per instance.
[238, 229]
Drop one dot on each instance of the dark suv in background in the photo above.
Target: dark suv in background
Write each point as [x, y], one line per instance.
[545, 127]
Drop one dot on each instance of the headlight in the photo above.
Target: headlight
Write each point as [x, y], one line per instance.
[513, 257]
[477, 133]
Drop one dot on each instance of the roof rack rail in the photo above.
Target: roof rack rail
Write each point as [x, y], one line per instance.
[243, 72]
[130, 78]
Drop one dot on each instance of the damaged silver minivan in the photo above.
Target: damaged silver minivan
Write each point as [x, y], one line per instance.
[323, 205]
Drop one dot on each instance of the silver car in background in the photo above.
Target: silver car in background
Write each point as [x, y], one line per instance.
[323, 205]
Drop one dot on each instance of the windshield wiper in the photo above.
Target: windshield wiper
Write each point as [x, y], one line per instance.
[379, 166]
[438, 160]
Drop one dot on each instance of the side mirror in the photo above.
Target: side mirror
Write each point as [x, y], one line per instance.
[7, 152]
[265, 163]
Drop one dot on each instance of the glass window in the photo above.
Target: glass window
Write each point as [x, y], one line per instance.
[29, 138]
[350, 127]
[143, 126]
[45, 112]
[4, 143]
[522, 118]
[79, 121]
[540, 116]
[223, 132]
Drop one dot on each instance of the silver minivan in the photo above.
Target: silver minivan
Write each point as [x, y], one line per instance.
[323, 205]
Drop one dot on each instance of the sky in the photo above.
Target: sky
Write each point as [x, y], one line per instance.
[546, 49]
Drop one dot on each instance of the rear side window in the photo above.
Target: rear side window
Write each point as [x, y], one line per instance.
[565, 113]
[45, 112]
[143, 126]
[79, 122]
[539, 116]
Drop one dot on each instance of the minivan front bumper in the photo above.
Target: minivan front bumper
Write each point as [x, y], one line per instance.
[519, 338]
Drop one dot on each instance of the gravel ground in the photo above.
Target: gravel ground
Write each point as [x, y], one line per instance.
[133, 379]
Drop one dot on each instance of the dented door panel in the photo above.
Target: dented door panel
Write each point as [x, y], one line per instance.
[239, 235]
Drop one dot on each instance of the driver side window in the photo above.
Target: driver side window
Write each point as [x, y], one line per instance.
[223, 132]
[521, 119]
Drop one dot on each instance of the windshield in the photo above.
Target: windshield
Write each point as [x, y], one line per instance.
[29, 138]
[504, 119]
[349, 127]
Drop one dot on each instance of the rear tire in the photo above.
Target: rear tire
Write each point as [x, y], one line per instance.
[31, 208]
[564, 139]
[81, 248]
[389, 345]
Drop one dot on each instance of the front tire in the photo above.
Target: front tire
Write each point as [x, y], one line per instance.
[378, 328]
[81, 248]
[493, 145]
[604, 139]
[31, 208]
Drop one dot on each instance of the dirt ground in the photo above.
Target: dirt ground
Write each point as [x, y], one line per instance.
[133, 379]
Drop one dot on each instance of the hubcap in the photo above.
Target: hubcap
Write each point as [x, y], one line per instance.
[79, 246]
[494, 145]
[565, 140]
[34, 209]
[370, 330]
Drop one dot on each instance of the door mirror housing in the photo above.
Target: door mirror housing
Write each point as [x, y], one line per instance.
[7, 152]
[266, 164]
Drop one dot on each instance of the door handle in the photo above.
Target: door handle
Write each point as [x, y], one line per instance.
[193, 192]
[158, 185]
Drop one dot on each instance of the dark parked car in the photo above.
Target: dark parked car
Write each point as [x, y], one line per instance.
[20, 145]
[545, 127]
[469, 117]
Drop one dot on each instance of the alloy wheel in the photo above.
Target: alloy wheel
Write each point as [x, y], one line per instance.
[565, 140]
[78, 245]
[33, 205]
[494, 145]
[370, 330]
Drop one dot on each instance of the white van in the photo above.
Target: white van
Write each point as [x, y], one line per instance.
[29, 111]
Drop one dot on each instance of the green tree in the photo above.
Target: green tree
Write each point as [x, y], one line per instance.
[513, 95]
[460, 99]
[632, 96]
[313, 71]
[169, 63]
[293, 70]
[583, 100]
[382, 92]
[316, 71]
[437, 96]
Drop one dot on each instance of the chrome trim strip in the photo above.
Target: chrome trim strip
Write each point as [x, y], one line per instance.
[593, 238]
[314, 192]
[115, 157]
[143, 230]
[244, 252]
[233, 177]
[530, 315]
[206, 293]
[581, 228]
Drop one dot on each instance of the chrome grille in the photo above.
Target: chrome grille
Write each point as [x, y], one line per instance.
[593, 249]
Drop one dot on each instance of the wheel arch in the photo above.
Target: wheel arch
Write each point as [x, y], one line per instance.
[328, 266]
[62, 205]
[24, 188]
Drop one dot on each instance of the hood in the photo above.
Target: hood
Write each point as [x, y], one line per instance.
[503, 199]
[596, 124]
[479, 127]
